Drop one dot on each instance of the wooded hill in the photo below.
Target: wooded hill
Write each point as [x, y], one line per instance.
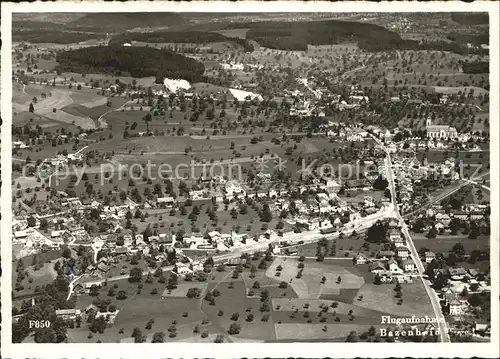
[53, 36]
[370, 37]
[134, 61]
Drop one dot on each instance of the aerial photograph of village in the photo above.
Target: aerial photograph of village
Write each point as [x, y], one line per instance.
[250, 177]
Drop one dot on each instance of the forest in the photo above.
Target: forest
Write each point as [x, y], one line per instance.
[479, 67]
[470, 18]
[477, 40]
[296, 36]
[191, 37]
[134, 61]
[53, 36]
[369, 37]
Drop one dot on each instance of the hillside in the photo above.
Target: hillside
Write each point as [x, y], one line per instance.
[470, 18]
[57, 18]
[34, 24]
[53, 36]
[297, 35]
[126, 21]
[193, 37]
[134, 61]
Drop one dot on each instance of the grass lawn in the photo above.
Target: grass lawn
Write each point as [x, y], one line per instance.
[349, 245]
[235, 301]
[382, 298]
[300, 332]
[182, 289]
[138, 309]
[40, 277]
[445, 243]
[309, 285]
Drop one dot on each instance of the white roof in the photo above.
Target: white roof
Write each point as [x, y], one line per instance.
[174, 85]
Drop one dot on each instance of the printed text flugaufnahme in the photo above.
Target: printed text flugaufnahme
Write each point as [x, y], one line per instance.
[387, 319]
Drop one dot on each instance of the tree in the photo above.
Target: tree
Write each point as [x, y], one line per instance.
[377, 280]
[376, 233]
[440, 281]
[172, 282]
[135, 275]
[136, 332]
[264, 295]
[465, 292]
[459, 249]
[94, 290]
[122, 295]
[31, 107]
[193, 293]
[31, 221]
[380, 183]
[266, 215]
[432, 233]
[66, 253]
[372, 331]
[234, 329]
[158, 337]
[352, 337]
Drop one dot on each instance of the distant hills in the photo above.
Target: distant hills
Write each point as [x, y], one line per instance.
[192, 37]
[470, 18]
[297, 35]
[126, 21]
[98, 22]
[275, 34]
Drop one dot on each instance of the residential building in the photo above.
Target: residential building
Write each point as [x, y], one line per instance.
[403, 252]
[429, 257]
[361, 259]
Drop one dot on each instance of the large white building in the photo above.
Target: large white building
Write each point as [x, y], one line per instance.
[173, 86]
[440, 131]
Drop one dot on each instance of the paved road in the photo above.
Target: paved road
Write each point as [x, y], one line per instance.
[443, 329]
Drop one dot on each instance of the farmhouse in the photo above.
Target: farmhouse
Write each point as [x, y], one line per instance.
[361, 259]
[457, 307]
[394, 267]
[457, 273]
[429, 257]
[377, 267]
[394, 235]
[403, 252]
[68, 314]
[165, 201]
[409, 265]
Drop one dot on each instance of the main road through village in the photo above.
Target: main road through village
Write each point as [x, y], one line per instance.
[443, 329]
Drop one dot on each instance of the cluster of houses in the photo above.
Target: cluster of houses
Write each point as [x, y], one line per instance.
[391, 266]
[459, 278]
